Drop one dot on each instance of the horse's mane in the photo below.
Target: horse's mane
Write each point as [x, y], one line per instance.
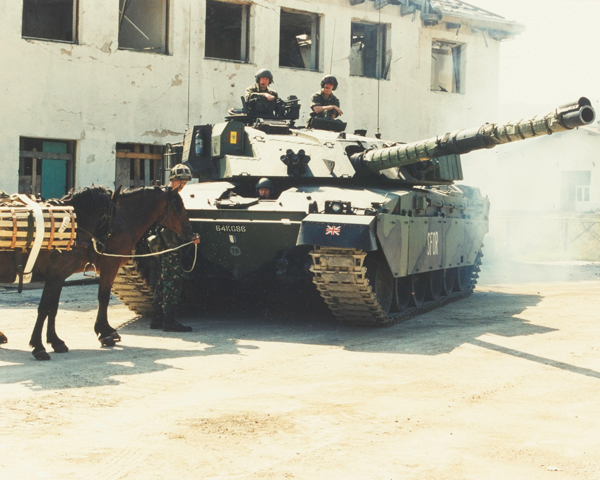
[139, 191]
[91, 196]
[91, 205]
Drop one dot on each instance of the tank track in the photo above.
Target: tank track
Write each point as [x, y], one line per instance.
[133, 289]
[341, 279]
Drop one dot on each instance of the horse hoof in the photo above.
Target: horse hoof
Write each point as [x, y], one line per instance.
[115, 336]
[3, 338]
[107, 341]
[60, 348]
[41, 355]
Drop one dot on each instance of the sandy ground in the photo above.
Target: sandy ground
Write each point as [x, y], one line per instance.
[502, 385]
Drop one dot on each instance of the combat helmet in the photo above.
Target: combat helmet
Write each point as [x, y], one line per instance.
[263, 72]
[180, 172]
[265, 183]
[329, 79]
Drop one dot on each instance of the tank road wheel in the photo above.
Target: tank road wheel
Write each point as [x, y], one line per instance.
[449, 281]
[463, 278]
[418, 288]
[403, 293]
[381, 280]
[435, 284]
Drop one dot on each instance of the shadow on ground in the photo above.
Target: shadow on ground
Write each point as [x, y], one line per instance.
[221, 329]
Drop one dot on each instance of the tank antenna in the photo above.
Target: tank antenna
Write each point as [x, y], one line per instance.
[332, 43]
[189, 64]
[378, 134]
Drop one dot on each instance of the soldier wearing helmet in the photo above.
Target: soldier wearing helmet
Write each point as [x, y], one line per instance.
[259, 97]
[324, 104]
[167, 292]
[265, 188]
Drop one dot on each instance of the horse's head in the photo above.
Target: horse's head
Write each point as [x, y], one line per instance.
[176, 218]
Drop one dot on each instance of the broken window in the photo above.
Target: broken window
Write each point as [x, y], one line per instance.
[226, 30]
[447, 65]
[50, 19]
[138, 165]
[46, 166]
[143, 25]
[298, 40]
[368, 50]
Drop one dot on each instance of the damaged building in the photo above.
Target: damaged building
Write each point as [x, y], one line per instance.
[93, 91]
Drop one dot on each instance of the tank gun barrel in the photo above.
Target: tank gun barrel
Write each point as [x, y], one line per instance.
[565, 117]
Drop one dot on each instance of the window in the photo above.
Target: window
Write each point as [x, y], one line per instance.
[226, 31]
[46, 166]
[582, 194]
[50, 20]
[368, 50]
[447, 65]
[299, 40]
[143, 25]
[575, 190]
[138, 165]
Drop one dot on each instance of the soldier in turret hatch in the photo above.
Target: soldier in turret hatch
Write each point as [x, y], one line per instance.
[265, 188]
[325, 104]
[260, 99]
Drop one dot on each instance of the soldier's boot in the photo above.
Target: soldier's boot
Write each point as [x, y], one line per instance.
[172, 325]
[157, 319]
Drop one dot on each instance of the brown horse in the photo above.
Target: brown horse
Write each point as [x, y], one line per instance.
[119, 220]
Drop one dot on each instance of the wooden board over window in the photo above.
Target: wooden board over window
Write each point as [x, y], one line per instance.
[138, 165]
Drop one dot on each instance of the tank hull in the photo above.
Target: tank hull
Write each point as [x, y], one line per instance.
[362, 262]
[402, 251]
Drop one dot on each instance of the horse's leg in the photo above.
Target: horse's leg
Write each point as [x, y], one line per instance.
[48, 303]
[51, 337]
[107, 335]
[3, 338]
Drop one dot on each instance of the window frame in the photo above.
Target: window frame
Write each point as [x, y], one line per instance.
[39, 155]
[383, 63]
[167, 32]
[244, 32]
[315, 36]
[458, 85]
[74, 27]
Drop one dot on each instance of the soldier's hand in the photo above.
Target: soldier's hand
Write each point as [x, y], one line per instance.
[338, 110]
[269, 97]
[196, 239]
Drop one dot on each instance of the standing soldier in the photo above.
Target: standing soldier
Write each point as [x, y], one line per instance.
[167, 293]
[324, 104]
[261, 100]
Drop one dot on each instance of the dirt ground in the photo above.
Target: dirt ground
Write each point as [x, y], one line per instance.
[502, 385]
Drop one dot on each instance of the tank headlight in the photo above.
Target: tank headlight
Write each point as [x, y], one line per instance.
[337, 206]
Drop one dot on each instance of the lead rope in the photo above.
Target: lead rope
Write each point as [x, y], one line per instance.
[94, 241]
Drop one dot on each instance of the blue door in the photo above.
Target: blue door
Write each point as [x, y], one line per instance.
[54, 172]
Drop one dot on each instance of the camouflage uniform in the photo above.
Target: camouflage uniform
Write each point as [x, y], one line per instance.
[257, 102]
[320, 100]
[167, 293]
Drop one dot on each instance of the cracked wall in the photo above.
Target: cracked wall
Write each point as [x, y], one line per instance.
[98, 95]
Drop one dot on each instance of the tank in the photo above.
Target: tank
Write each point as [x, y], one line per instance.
[379, 229]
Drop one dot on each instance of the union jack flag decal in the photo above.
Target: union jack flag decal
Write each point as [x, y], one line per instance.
[332, 230]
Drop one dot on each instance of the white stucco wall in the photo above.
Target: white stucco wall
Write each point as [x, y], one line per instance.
[97, 95]
[530, 173]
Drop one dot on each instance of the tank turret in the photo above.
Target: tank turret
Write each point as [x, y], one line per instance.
[566, 117]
